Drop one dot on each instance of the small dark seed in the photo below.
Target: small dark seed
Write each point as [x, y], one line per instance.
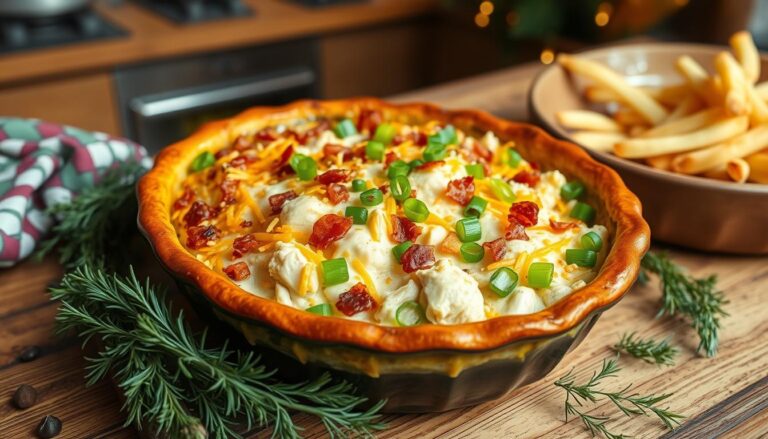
[49, 427]
[25, 397]
[30, 353]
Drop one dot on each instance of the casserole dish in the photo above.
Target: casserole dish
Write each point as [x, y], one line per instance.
[420, 368]
[686, 210]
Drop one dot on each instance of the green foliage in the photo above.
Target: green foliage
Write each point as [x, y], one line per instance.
[629, 404]
[649, 350]
[697, 299]
[177, 384]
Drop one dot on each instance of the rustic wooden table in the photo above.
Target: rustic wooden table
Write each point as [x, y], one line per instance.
[723, 396]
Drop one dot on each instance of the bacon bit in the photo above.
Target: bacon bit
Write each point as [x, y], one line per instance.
[418, 257]
[384, 188]
[389, 158]
[331, 150]
[276, 201]
[496, 248]
[525, 213]
[334, 176]
[484, 154]
[266, 135]
[451, 244]
[329, 228]
[185, 199]
[515, 231]
[300, 138]
[198, 213]
[419, 138]
[222, 152]
[284, 157]
[560, 227]
[237, 271]
[242, 160]
[461, 190]
[404, 229]
[368, 120]
[243, 244]
[337, 193]
[199, 236]
[317, 130]
[246, 224]
[244, 142]
[229, 191]
[529, 178]
[486, 168]
[535, 166]
[356, 300]
[429, 165]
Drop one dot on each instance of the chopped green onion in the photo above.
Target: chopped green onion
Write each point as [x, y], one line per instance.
[415, 163]
[374, 150]
[345, 128]
[334, 271]
[322, 310]
[540, 274]
[476, 206]
[359, 185]
[203, 160]
[399, 249]
[385, 133]
[583, 211]
[468, 229]
[503, 281]
[400, 188]
[447, 136]
[513, 158]
[398, 167]
[572, 190]
[434, 152]
[415, 210]
[476, 171]
[410, 313]
[371, 197]
[472, 252]
[591, 241]
[502, 190]
[304, 166]
[581, 257]
[359, 215]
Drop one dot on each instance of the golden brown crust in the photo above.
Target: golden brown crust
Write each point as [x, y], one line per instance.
[620, 207]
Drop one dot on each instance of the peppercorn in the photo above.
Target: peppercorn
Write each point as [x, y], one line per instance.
[28, 354]
[24, 397]
[49, 427]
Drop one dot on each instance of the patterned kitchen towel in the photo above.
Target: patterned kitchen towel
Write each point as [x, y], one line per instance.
[44, 164]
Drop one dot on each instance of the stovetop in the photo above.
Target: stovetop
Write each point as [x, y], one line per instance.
[195, 11]
[18, 34]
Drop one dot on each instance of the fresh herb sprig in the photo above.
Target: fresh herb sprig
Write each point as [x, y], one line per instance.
[697, 299]
[649, 350]
[176, 383]
[93, 225]
[629, 404]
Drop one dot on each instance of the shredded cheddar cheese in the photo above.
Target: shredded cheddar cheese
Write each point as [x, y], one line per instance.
[367, 280]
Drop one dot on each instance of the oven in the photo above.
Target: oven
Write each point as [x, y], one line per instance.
[163, 102]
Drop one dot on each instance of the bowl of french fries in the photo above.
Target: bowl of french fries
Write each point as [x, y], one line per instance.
[685, 125]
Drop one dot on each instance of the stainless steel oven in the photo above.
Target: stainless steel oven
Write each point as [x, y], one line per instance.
[163, 102]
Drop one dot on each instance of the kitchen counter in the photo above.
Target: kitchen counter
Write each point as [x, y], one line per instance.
[151, 36]
[725, 396]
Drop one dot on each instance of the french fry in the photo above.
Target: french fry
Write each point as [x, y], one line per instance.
[647, 147]
[587, 120]
[687, 106]
[737, 170]
[670, 95]
[600, 95]
[718, 173]
[734, 84]
[597, 140]
[758, 164]
[639, 100]
[662, 162]
[628, 116]
[746, 52]
[686, 124]
[718, 155]
[761, 90]
[759, 113]
[698, 79]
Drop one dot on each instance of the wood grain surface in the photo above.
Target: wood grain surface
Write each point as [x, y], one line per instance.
[724, 396]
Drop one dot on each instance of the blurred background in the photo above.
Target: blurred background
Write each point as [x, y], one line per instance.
[154, 70]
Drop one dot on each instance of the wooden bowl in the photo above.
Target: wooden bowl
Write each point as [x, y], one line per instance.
[421, 368]
[690, 211]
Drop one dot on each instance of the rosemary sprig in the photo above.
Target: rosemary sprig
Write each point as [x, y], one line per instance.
[93, 225]
[175, 382]
[629, 404]
[697, 299]
[649, 350]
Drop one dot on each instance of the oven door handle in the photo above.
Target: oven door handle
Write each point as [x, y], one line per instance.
[200, 97]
